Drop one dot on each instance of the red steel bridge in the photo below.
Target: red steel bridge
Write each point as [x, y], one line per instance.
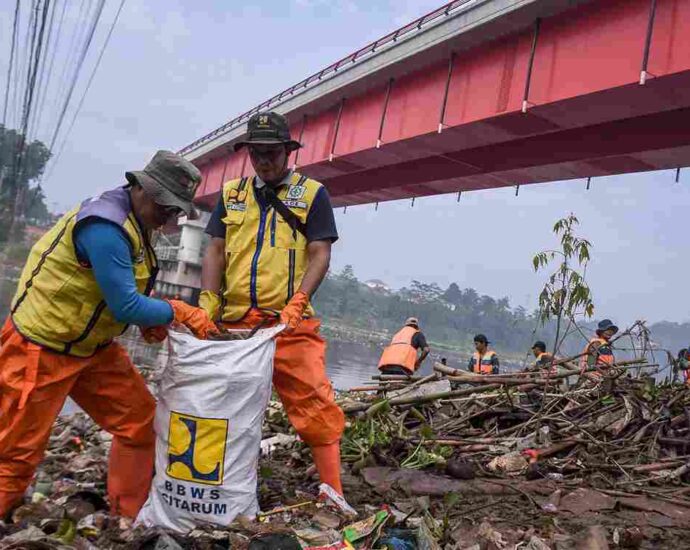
[486, 93]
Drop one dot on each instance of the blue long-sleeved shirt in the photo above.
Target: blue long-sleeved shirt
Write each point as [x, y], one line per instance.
[107, 249]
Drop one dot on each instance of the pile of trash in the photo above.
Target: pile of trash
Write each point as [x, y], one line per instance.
[447, 461]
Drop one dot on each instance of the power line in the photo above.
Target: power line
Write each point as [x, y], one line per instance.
[42, 72]
[33, 26]
[49, 79]
[80, 63]
[34, 63]
[88, 86]
[70, 57]
[19, 73]
[15, 27]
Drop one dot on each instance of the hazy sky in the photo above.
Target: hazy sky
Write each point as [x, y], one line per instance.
[175, 70]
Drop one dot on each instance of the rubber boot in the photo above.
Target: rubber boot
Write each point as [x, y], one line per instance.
[327, 462]
[8, 502]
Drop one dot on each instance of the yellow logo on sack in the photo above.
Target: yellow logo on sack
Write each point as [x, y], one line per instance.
[196, 448]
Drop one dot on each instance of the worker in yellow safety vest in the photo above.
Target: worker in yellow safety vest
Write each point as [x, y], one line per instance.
[84, 282]
[271, 237]
[484, 360]
[407, 350]
[599, 351]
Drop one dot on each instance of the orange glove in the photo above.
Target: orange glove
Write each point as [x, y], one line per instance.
[291, 316]
[154, 335]
[194, 318]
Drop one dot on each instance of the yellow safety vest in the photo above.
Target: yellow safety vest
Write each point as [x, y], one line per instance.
[265, 258]
[58, 303]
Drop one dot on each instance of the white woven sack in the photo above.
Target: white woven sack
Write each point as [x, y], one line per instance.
[211, 404]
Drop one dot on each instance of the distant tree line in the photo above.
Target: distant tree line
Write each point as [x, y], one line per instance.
[450, 316]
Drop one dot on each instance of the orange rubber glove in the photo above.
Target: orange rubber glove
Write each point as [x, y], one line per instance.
[154, 335]
[194, 318]
[291, 316]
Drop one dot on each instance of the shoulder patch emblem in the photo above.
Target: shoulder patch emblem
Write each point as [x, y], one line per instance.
[296, 192]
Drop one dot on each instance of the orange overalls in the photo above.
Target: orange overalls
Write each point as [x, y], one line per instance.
[299, 377]
[59, 304]
[34, 384]
[265, 262]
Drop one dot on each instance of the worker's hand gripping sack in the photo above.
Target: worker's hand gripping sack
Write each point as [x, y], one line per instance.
[212, 399]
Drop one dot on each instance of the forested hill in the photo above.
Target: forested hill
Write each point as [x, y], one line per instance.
[451, 316]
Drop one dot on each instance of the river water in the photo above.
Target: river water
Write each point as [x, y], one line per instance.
[351, 364]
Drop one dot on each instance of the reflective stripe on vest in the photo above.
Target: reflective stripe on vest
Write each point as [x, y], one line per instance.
[265, 258]
[401, 352]
[58, 303]
[603, 353]
[482, 365]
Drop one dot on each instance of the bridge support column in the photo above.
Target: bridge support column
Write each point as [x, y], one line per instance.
[530, 65]
[383, 113]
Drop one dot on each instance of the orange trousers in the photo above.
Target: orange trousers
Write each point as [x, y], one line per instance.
[34, 384]
[299, 377]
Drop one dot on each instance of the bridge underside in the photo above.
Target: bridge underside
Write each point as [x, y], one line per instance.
[561, 99]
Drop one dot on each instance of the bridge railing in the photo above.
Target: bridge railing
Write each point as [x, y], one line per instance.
[362, 53]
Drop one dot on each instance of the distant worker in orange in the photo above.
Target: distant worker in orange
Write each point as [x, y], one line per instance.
[484, 360]
[599, 351]
[407, 350]
[542, 358]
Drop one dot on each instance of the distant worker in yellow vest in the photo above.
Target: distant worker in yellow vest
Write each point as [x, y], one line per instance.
[484, 360]
[84, 282]
[407, 350]
[599, 351]
[271, 237]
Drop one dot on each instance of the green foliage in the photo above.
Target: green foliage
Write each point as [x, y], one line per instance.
[364, 435]
[565, 293]
[20, 164]
[422, 457]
